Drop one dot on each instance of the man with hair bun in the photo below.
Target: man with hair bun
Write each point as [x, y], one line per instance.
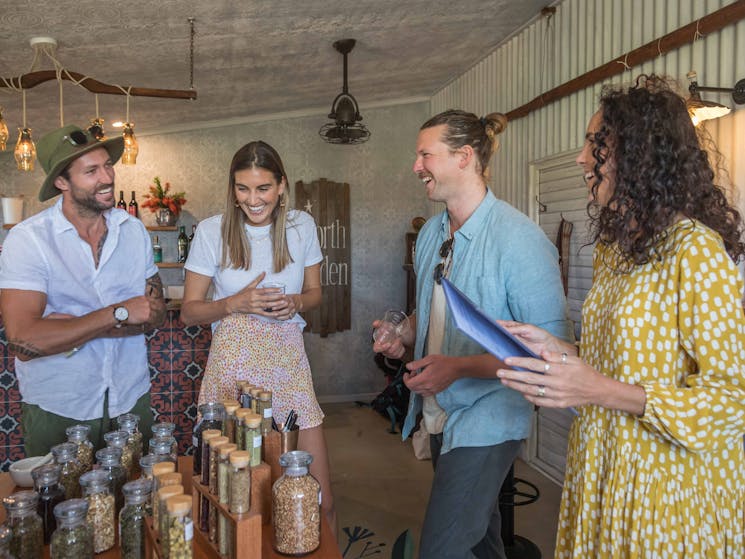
[503, 262]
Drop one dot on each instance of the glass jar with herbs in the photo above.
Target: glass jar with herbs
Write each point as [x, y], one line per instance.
[228, 426]
[109, 461]
[164, 447]
[264, 409]
[101, 510]
[163, 429]
[244, 396]
[66, 455]
[180, 528]
[214, 449]
[254, 392]
[146, 465]
[224, 532]
[238, 422]
[296, 510]
[170, 479]
[130, 422]
[240, 482]
[78, 434]
[5, 535]
[212, 414]
[160, 520]
[132, 518]
[51, 493]
[73, 538]
[27, 531]
[252, 437]
[159, 469]
[118, 439]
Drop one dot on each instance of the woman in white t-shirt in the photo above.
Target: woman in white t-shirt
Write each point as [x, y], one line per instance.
[257, 333]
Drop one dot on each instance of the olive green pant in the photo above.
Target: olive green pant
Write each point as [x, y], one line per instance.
[42, 429]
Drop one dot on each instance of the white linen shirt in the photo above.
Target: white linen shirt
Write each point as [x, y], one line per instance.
[205, 256]
[45, 253]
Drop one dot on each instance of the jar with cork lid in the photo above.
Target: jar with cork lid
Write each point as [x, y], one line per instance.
[252, 437]
[162, 518]
[228, 426]
[180, 529]
[264, 409]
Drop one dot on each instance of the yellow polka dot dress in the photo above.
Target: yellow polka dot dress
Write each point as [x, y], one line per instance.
[670, 483]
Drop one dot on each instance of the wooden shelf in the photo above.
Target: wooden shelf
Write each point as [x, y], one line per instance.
[169, 264]
[162, 227]
[8, 225]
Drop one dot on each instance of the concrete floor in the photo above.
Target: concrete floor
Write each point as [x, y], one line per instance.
[381, 489]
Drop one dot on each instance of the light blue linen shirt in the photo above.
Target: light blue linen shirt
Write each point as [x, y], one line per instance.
[505, 264]
[45, 253]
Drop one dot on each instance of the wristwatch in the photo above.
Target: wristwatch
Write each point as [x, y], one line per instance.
[121, 314]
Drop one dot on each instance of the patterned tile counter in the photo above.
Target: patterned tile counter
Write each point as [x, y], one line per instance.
[177, 356]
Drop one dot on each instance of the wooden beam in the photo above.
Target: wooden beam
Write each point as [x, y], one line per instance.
[32, 79]
[711, 23]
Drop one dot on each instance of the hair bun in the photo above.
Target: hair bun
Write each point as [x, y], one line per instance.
[495, 123]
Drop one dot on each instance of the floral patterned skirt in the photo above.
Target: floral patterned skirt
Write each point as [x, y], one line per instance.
[270, 355]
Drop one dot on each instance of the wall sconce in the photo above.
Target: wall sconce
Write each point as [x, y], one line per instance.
[701, 110]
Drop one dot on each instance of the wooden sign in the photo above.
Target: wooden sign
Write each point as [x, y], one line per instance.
[328, 203]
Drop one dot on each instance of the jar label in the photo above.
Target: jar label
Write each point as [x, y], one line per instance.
[257, 441]
[188, 530]
[267, 413]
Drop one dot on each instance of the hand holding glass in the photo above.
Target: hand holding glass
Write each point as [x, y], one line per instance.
[392, 326]
[273, 285]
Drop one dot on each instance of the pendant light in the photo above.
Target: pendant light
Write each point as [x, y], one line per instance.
[96, 126]
[25, 152]
[4, 134]
[131, 149]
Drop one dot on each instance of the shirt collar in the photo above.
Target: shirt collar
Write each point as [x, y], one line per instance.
[473, 224]
[61, 223]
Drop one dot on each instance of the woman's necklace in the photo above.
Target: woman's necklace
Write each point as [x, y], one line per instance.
[259, 238]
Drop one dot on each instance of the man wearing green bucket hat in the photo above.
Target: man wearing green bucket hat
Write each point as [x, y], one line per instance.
[79, 289]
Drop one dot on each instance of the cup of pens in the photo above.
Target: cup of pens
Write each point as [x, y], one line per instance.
[288, 432]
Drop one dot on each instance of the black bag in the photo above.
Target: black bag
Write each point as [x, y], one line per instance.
[393, 402]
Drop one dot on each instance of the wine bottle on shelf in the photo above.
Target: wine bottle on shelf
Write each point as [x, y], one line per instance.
[121, 204]
[183, 244]
[193, 230]
[132, 208]
[157, 251]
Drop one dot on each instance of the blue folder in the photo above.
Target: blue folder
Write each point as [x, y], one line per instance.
[480, 328]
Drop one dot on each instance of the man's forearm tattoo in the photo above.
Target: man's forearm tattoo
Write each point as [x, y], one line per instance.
[154, 287]
[25, 349]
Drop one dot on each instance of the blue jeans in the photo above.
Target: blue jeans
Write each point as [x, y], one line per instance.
[462, 519]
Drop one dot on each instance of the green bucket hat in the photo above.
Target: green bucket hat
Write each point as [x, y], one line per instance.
[58, 149]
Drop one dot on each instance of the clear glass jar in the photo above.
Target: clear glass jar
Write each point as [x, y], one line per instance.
[215, 444]
[228, 426]
[244, 394]
[163, 429]
[132, 518]
[101, 509]
[51, 493]
[109, 461]
[165, 447]
[160, 521]
[73, 538]
[180, 529]
[254, 392]
[118, 439]
[296, 506]
[66, 455]
[240, 482]
[5, 536]
[264, 409]
[158, 470]
[224, 532]
[169, 479]
[212, 415]
[130, 422]
[78, 434]
[252, 437]
[238, 422]
[146, 465]
[27, 532]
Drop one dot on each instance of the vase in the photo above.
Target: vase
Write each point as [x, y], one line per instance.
[165, 217]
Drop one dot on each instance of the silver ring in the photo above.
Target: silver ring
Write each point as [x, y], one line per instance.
[541, 391]
[546, 367]
[563, 358]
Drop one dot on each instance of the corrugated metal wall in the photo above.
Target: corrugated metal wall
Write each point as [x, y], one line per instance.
[585, 34]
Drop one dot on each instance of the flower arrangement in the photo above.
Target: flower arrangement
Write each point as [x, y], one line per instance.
[159, 197]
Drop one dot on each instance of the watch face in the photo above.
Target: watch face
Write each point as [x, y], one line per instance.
[121, 314]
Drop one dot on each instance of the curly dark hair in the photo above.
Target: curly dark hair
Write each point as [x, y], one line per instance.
[660, 169]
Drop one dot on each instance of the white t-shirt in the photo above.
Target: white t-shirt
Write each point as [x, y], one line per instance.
[205, 256]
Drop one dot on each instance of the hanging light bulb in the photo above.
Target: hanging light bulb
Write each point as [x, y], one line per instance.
[25, 151]
[96, 129]
[129, 157]
[4, 134]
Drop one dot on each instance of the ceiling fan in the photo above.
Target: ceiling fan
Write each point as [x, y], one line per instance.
[345, 113]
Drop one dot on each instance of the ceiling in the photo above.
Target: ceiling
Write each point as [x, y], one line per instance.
[250, 58]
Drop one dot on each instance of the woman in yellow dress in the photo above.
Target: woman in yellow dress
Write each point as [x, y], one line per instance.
[655, 464]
